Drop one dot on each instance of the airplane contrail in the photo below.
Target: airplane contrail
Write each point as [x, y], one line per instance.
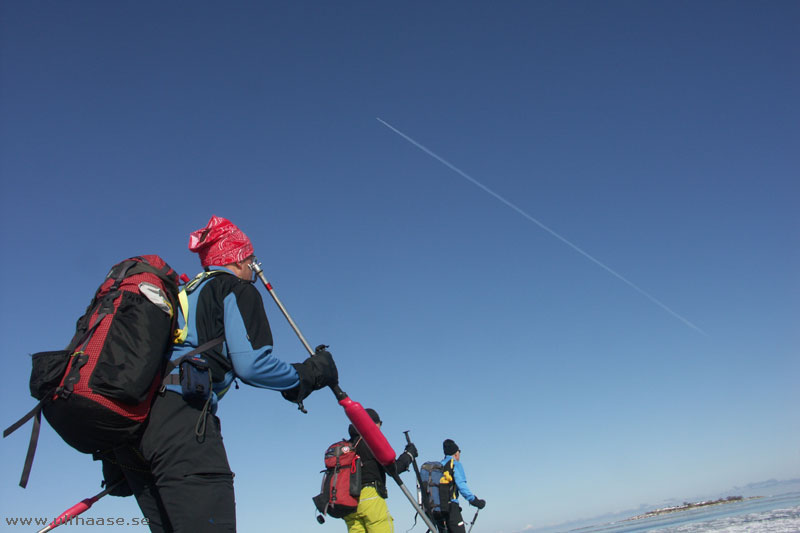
[541, 225]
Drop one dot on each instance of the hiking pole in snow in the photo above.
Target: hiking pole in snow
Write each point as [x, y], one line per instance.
[473, 520]
[78, 508]
[368, 429]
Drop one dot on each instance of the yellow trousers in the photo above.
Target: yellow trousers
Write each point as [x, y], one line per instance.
[371, 516]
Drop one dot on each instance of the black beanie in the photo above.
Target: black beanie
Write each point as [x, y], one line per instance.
[373, 414]
[450, 447]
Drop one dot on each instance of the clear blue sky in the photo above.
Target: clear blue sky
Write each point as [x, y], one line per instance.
[660, 138]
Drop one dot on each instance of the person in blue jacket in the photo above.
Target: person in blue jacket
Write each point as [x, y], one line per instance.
[179, 469]
[452, 521]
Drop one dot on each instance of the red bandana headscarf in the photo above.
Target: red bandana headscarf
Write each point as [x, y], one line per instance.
[220, 243]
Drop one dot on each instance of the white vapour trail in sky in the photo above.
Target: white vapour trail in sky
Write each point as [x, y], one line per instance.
[541, 225]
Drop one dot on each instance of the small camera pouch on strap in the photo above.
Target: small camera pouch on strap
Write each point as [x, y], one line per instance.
[195, 381]
[194, 374]
[195, 378]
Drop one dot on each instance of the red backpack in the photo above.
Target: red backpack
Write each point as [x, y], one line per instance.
[341, 481]
[98, 391]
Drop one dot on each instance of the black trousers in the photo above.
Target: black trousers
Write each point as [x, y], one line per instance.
[182, 482]
[452, 521]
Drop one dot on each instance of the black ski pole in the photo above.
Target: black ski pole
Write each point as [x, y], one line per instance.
[473, 520]
[416, 470]
[419, 480]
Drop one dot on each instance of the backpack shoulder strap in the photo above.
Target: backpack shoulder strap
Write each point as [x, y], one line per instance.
[183, 300]
[451, 470]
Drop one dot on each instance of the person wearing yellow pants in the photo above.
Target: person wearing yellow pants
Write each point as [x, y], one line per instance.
[372, 514]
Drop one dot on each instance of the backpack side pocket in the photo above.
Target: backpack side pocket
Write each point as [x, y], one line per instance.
[47, 370]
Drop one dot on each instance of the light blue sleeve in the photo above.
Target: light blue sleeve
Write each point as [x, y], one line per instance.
[256, 367]
[461, 481]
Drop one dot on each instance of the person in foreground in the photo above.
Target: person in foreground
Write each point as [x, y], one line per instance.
[372, 514]
[452, 521]
[179, 470]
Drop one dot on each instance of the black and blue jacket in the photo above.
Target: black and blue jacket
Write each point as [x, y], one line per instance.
[224, 305]
[460, 479]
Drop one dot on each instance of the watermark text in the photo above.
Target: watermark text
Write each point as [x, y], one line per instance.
[77, 521]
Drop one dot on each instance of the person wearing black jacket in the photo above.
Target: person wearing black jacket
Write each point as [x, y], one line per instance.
[372, 514]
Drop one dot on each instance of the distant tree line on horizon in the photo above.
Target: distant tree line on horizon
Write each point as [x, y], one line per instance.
[688, 505]
[721, 500]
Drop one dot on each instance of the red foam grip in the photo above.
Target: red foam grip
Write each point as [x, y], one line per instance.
[73, 511]
[369, 430]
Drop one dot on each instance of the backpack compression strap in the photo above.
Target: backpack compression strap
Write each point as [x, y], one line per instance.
[36, 414]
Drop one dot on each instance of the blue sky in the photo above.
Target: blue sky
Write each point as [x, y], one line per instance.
[658, 137]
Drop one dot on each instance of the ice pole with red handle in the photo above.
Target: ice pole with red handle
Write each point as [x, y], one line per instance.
[366, 427]
[78, 508]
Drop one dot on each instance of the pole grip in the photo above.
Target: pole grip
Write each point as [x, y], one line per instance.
[369, 431]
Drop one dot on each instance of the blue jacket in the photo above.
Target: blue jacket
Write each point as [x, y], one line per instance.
[224, 305]
[460, 478]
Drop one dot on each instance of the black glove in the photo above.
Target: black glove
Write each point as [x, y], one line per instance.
[315, 373]
[112, 474]
[477, 502]
[412, 450]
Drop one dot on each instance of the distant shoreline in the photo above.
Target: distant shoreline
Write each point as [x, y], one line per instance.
[687, 506]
